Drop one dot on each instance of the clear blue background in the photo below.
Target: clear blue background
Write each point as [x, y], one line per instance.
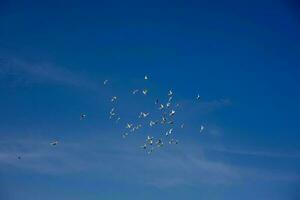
[241, 56]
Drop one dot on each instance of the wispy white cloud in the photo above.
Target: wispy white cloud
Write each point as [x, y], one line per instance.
[255, 153]
[178, 165]
[18, 72]
[209, 106]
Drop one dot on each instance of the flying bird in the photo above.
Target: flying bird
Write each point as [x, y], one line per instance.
[105, 82]
[152, 123]
[135, 91]
[171, 122]
[54, 143]
[169, 132]
[164, 120]
[145, 91]
[112, 113]
[201, 128]
[82, 116]
[198, 97]
[172, 113]
[159, 143]
[150, 151]
[144, 115]
[125, 135]
[149, 140]
[114, 98]
[161, 107]
[128, 126]
[173, 141]
[168, 104]
[136, 128]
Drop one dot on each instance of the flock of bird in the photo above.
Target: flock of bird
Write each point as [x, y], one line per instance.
[166, 120]
[167, 111]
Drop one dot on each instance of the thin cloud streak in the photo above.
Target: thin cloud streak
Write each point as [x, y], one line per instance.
[175, 166]
[254, 153]
[17, 72]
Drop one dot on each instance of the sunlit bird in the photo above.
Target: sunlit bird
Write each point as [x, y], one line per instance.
[201, 128]
[54, 143]
[145, 91]
[114, 98]
[82, 116]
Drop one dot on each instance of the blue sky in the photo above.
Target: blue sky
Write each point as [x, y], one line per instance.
[241, 56]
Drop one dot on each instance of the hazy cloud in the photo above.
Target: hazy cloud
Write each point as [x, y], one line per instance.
[18, 72]
[181, 165]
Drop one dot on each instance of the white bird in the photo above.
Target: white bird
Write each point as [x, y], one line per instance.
[164, 120]
[201, 128]
[173, 141]
[137, 127]
[145, 91]
[168, 104]
[135, 91]
[150, 151]
[54, 143]
[114, 98]
[125, 135]
[149, 140]
[129, 126]
[105, 82]
[170, 93]
[171, 122]
[112, 111]
[118, 119]
[170, 98]
[169, 132]
[161, 107]
[159, 143]
[144, 115]
[198, 97]
[152, 123]
[182, 126]
[172, 112]
[146, 77]
[82, 116]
